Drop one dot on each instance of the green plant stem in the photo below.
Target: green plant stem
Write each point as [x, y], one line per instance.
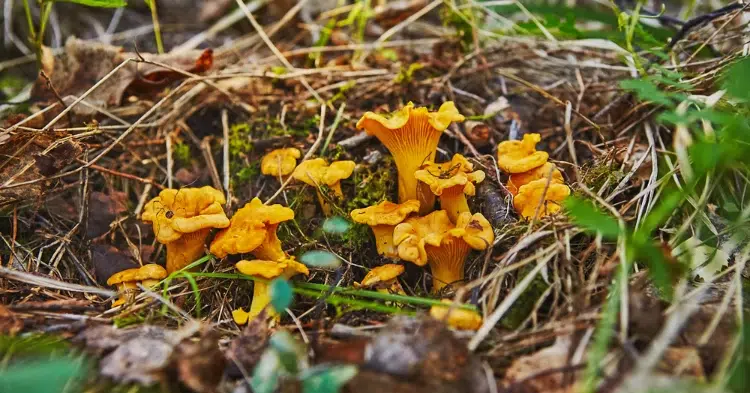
[338, 300]
[157, 26]
[30, 21]
[334, 126]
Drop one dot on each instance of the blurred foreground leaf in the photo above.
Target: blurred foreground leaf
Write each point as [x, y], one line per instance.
[320, 259]
[48, 376]
[281, 294]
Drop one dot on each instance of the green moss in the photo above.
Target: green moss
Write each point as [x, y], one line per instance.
[246, 174]
[239, 140]
[181, 153]
[372, 186]
[596, 175]
[525, 303]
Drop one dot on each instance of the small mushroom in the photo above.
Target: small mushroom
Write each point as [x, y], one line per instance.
[182, 220]
[268, 270]
[515, 181]
[382, 218]
[411, 135]
[457, 318]
[280, 163]
[317, 172]
[435, 240]
[520, 156]
[451, 181]
[126, 280]
[384, 279]
[253, 229]
[532, 194]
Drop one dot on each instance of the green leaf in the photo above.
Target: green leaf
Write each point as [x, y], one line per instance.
[739, 374]
[336, 225]
[647, 91]
[327, 379]
[266, 373]
[737, 79]
[320, 259]
[587, 216]
[47, 376]
[99, 3]
[281, 294]
[658, 266]
[288, 350]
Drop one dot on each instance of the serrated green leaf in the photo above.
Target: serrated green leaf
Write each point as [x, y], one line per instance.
[281, 294]
[327, 379]
[99, 3]
[737, 79]
[320, 259]
[336, 225]
[587, 216]
[47, 376]
[647, 91]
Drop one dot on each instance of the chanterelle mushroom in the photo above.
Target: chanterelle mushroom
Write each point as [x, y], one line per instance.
[457, 318]
[382, 218]
[520, 156]
[411, 135]
[434, 239]
[286, 268]
[126, 280]
[515, 181]
[253, 229]
[451, 181]
[532, 195]
[383, 278]
[182, 219]
[280, 162]
[317, 172]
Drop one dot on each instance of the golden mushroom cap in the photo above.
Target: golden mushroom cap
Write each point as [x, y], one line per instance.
[385, 213]
[382, 273]
[179, 211]
[248, 228]
[412, 235]
[457, 318]
[475, 230]
[520, 156]
[280, 162]
[515, 181]
[317, 172]
[287, 267]
[145, 272]
[439, 120]
[454, 173]
[530, 195]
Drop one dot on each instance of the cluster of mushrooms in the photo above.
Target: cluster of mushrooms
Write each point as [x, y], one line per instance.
[410, 230]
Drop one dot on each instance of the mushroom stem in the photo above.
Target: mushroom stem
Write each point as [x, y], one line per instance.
[270, 249]
[384, 240]
[453, 201]
[261, 299]
[185, 250]
[447, 262]
[324, 205]
[408, 185]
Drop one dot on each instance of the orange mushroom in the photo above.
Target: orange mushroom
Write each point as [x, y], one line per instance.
[520, 156]
[280, 162]
[253, 229]
[287, 268]
[457, 318]
[411, 135]
[435, 240]
[182, 220]
[384, 279]
[532, 195]
[317, 172]
[542, 172]
[451, 181]
[126, 281]
[382, 218]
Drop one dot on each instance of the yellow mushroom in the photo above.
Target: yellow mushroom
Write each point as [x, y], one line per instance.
[435, 240]
[253, 229]
[384, 279]
[520, 156]
[515, 181]
[280, 163]
[532, 194]
[182, 219]
[451, 181]
[457, 318]
[268, 270]
[126, 280]
[382, 218]
[317, 172]
[411, 135]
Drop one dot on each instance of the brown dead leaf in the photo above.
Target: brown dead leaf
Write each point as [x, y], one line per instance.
[85, 63]
[200, 363]
[108, 260]
[67, 305]
[141, 360]
[32, 157]
[246, 349]
[547, 370]
[682, 361]
[10, 324]
[103, 209]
